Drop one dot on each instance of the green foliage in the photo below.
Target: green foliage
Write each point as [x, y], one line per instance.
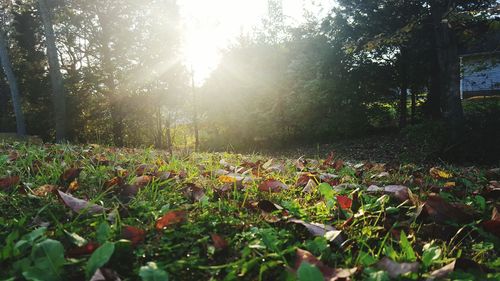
[308, 272]
[99, 258]
[151, 272]
[48, 260]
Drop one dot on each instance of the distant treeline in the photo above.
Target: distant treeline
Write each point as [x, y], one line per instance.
[368, 65]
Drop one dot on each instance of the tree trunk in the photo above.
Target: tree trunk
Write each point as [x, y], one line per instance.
[433, 103]
[115, 103]
[14, 89]
[59, 98]
[168, 132]
[413, 105]
[449, 69]
[403, 97]
[195, 114]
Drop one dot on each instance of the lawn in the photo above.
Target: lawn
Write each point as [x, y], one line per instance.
[99, 213]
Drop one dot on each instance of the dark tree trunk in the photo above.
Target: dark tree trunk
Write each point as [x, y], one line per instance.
[433, 103]
[403, 96]
[59, 98]
[4, 107]
[168, 133]
[14, 89]
[449, 69]
[114, 100]
[413, 105]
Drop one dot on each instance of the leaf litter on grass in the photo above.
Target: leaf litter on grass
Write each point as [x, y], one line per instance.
[214, 216]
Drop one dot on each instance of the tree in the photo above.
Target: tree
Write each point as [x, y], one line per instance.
[59, 96]
[11, 78]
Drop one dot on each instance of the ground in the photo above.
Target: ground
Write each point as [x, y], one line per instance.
[91, 212]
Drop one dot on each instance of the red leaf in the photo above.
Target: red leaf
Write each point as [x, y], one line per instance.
[9, 182]
[272, 186]
[134, 234]
[492, 226]
[171, 218]
[344, 202]
[219, 241]
[77, 204]
[86, 249]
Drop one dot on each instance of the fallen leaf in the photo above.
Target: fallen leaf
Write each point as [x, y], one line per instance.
[69, 176]
[8, 182]
[193, 192]
[492, 226]
[310, 186]
[438, 173]
[450, 184]
[134, 234]
[344, 202]
[145, 169]
[441, 211]
[86, 249]
[105, 274]
[462, 264]
[329, 274]
[142, 181]
[394, 269]
[73, 186]
[171, 218]
[219, 241]
[268, 206]
[79, 205]
[271, 185]
[319, 229]
[114, 181]
[44, 190]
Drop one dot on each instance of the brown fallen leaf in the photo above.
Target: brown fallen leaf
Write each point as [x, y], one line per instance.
[69, 175]
[193, 192]
[8, 182]
[134, 234]
[318, 229]
[171, 218]
[394, 269]
[78, 205]
[268, 206]
[493, 225]
[219, 242]
[145, 169]
[461, 264]
[272, 185]
[142, 181]
[329, 274]
[114, 181]
[441, 211]
[44, 190]
[310, 186]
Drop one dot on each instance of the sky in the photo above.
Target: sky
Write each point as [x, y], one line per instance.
[211, 25]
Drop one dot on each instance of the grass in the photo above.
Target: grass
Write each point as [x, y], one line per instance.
[227, 230]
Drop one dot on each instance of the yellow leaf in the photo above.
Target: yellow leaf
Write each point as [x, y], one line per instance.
[440, 174]
[227, 179]
[449, 184]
